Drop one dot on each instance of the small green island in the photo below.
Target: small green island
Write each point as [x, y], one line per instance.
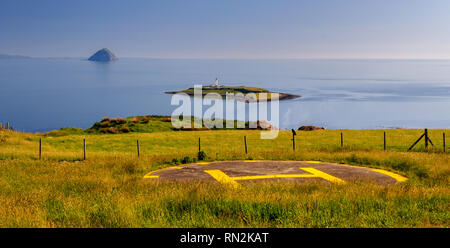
[222, 90]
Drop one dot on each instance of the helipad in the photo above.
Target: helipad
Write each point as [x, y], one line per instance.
[234, 173]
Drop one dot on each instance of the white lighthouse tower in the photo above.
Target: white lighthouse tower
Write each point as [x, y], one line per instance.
[216, 84]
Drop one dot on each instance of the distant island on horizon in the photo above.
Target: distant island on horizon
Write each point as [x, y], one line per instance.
[103, 55]
[9, 56]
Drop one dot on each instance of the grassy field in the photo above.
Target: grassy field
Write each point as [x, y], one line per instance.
[107, 189]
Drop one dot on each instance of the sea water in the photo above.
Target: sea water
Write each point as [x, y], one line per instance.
[43, 94]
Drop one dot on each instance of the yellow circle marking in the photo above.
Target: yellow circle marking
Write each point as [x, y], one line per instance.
[148, 175]
[391, 174]
[231, 181]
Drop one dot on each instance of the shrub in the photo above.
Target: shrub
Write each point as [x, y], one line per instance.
[105, 119]
[113, 130]
[135, 119]
[104, 124]
[201, 155]
[175, 161]
[146, 119]
[118, 121]
[124, 129]
[186, 160]
[101, 130]
[96, 125]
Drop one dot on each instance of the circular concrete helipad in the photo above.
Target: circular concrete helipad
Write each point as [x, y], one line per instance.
[234, 173]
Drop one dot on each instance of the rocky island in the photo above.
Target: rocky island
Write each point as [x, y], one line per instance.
[103, 55]
[223, 90]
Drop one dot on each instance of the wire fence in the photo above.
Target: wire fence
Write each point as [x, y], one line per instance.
[250, 143]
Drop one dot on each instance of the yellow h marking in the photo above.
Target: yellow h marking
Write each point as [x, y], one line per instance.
[231, 181]
[324, 175]
[272, 176]
[222, 178]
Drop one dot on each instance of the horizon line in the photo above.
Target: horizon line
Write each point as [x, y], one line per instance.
[244, 58]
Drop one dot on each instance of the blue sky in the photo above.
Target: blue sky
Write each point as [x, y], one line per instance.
[227, 28]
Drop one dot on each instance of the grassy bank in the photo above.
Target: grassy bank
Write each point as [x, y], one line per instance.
[107, 189]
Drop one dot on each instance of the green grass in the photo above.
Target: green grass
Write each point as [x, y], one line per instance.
[107, 189]
[223, 90]
[141, 124]
[134, 124]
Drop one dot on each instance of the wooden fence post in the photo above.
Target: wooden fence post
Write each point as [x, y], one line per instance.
[84, 149]
[245, 142]
[342, 140]
[443, 139]
[138, 151]
[411, 147]
[426, 138]
[199, 145]
[384, 137]
[293, 142]
[40, 148]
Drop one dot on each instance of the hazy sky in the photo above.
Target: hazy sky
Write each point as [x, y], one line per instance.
[227, 28]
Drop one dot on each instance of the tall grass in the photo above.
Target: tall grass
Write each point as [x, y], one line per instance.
[107, 189]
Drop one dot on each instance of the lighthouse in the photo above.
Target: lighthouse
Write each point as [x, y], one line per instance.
[216, 84]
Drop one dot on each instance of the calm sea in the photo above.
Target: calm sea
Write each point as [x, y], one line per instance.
[43, 94]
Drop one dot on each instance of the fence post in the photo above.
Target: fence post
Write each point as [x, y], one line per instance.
[293, 142]
[443, 139]
[245, 143]
[138, 152]
[199, 145]
[342, 140]
[40, 148]
[84, 149]
[384, 137]
[426, 138]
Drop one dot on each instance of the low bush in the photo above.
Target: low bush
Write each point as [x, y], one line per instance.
[201, 155]
[135, 119]
[112, 130]
[104, 124]
[186, 160]
[124, 129]
[146, 119]
[118, 121]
